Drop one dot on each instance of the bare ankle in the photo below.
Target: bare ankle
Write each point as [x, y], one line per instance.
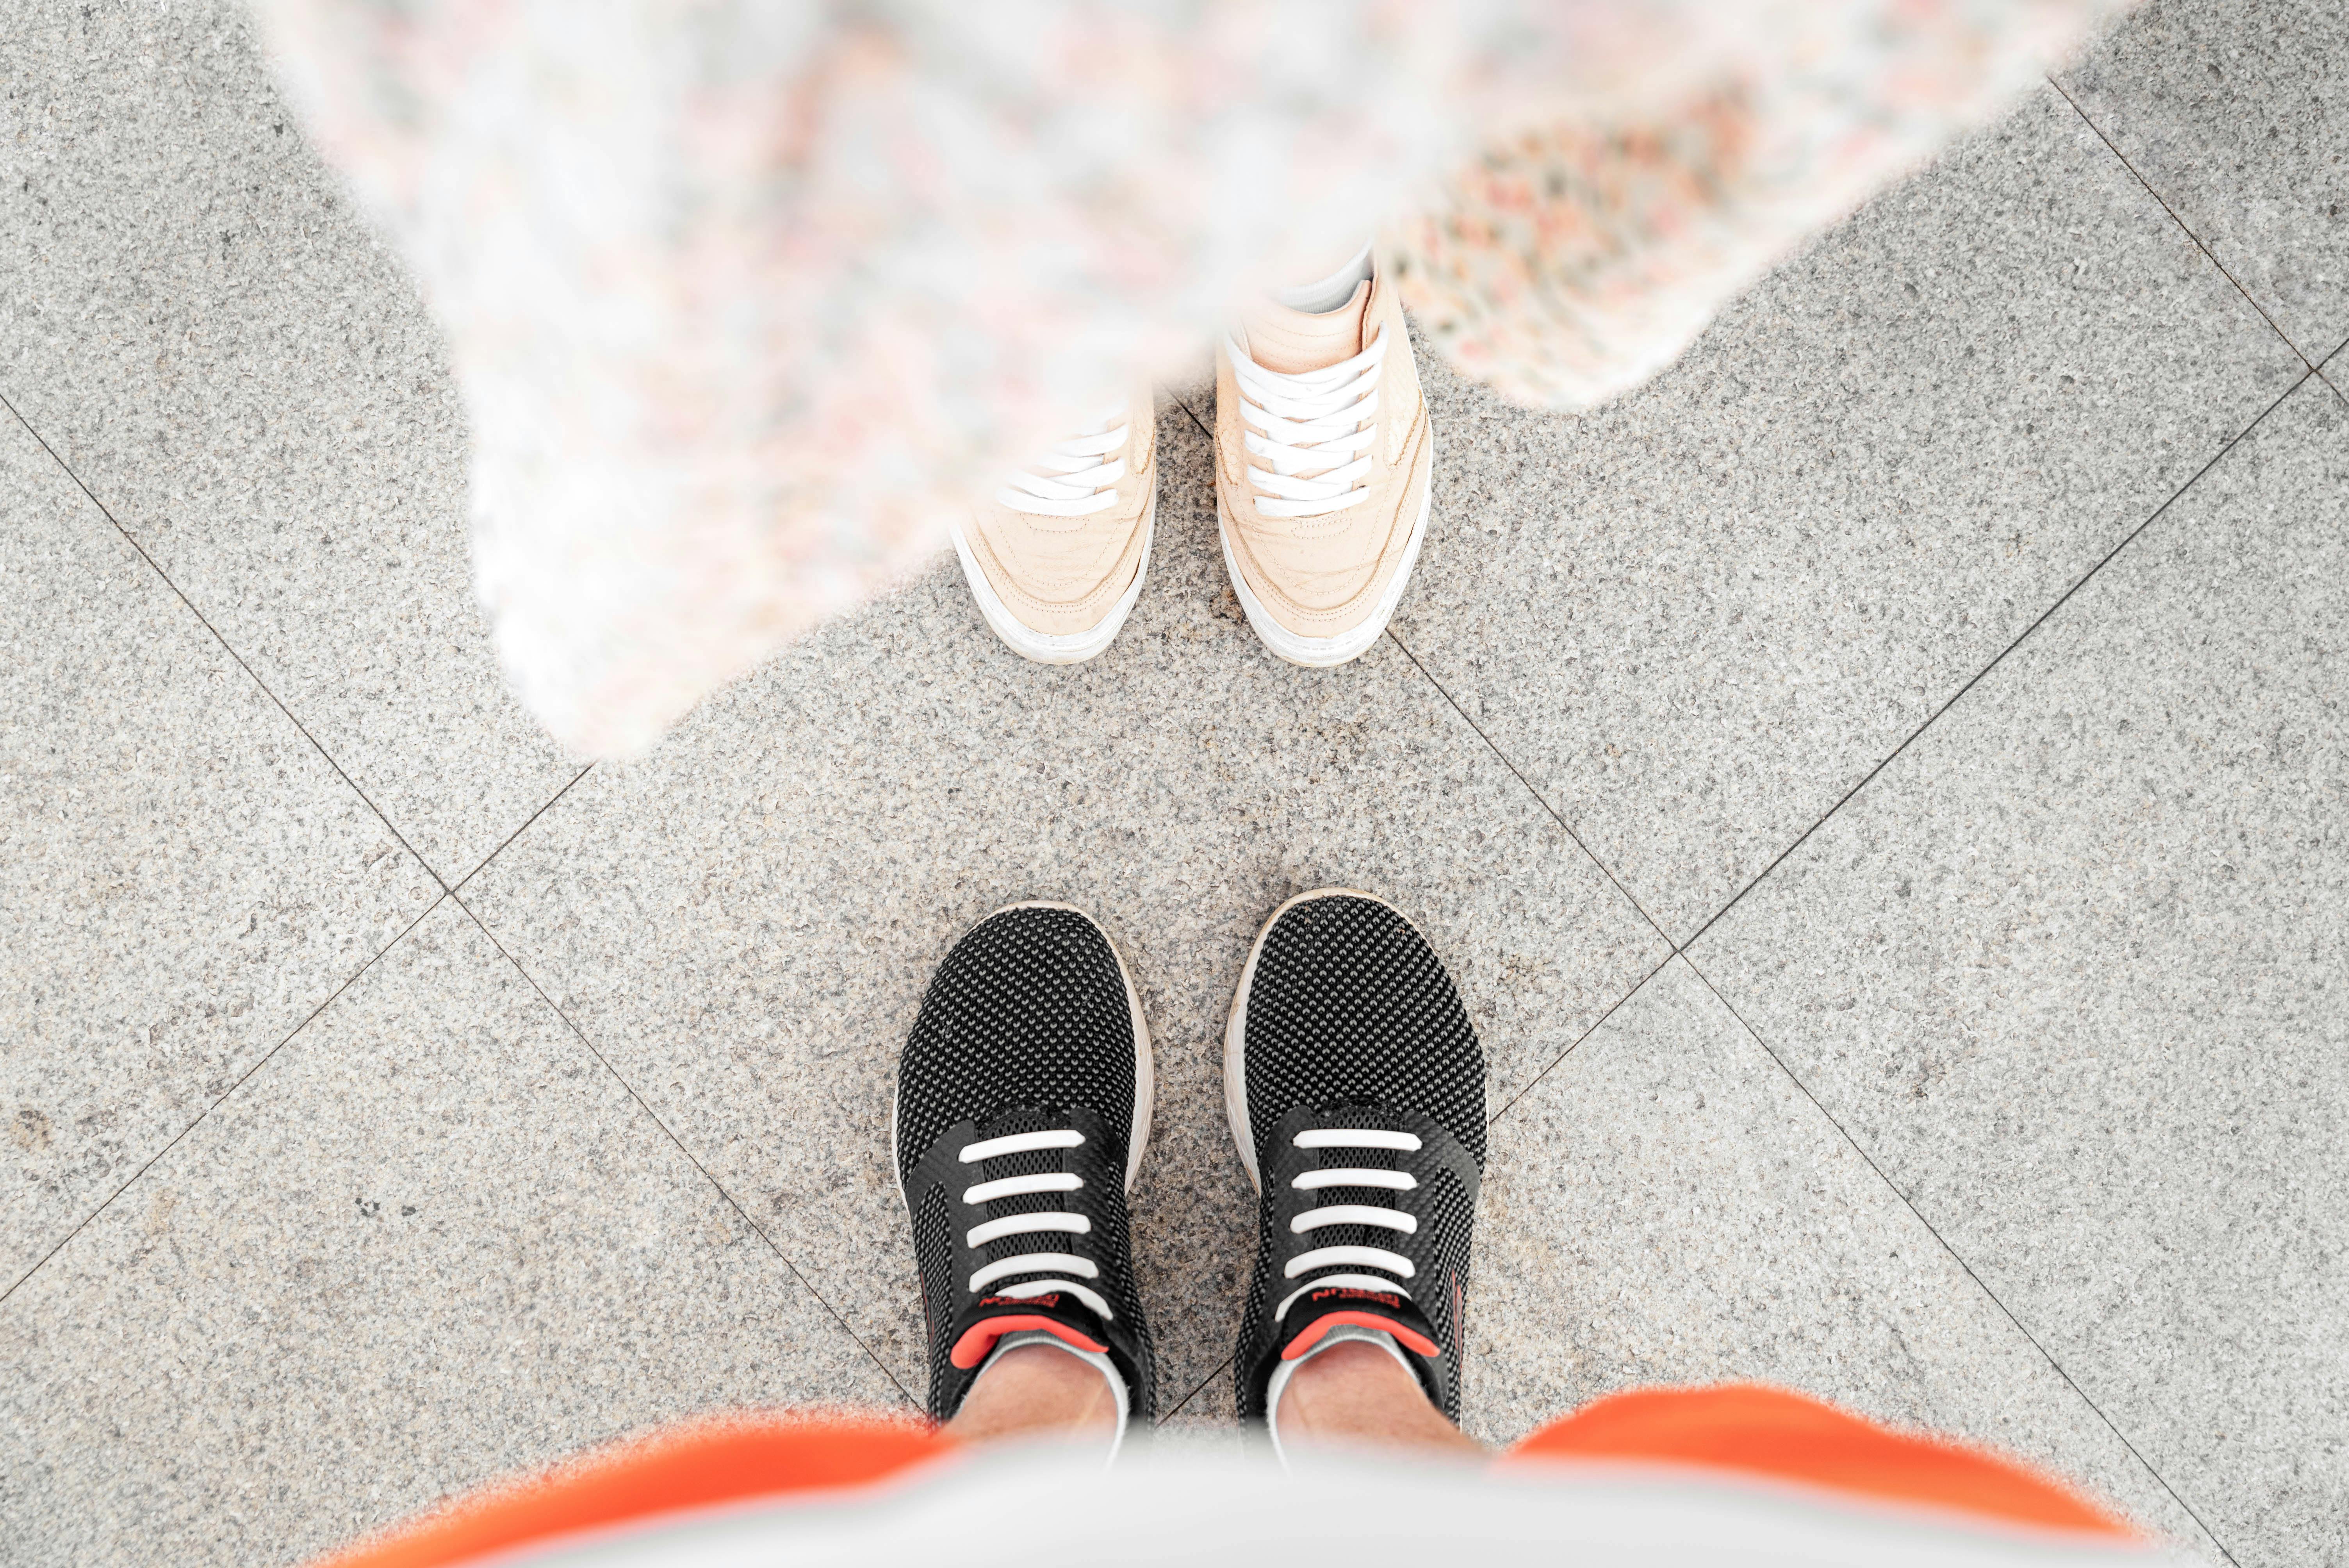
[1036, 1391]
[1356, 1393]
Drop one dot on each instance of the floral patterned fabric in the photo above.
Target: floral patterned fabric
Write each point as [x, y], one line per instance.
[743, 297]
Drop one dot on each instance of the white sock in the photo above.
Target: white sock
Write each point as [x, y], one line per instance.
[1095, 1359]
[1311, 327]
[1333, 292]
[1342, 1334]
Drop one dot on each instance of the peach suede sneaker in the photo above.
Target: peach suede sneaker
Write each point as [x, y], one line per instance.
[1056, 556]
[1322, 461]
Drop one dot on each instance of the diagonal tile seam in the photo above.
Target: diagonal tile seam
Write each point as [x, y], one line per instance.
[2183, 226]
[226, 646]
[1678, 949]
[2328, 374]
[1672, 948]
[446, 890]
[1595, 1024]
[1539, 799]
[1604, 869]
[1979, 675]
[222, 1098]
[524, 827]
[1508, 762]
[645, 1106]
[1956, 1256]
[1221, 1367]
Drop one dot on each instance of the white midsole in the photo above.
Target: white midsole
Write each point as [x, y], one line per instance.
[1321, 653]
[1236, 1027]
[1044, 648]
[1145, 1086]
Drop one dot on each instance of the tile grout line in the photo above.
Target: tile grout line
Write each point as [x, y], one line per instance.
[1955, 1256]
[1503, 757]
[1184, 404]
[1535, 1082]
[1221, 1367]
[1672, 948]
[226, 646]
[2183, 226]
[655, 1116]
[1979, 675]
[2328, 380]
[1678, 949]
[1563, 825]
[1539, 799]
[223, 1097]
[524, 828]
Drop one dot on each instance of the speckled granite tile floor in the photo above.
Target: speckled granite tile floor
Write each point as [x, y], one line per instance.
[1881, 786]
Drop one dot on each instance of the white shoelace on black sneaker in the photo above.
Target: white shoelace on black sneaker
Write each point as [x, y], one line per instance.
[1397, 1220]
[1042, 1219]
[1080, 473]
[1318, 420]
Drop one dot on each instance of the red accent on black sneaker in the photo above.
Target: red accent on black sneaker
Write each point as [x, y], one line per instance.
[1409, 1336]
[1352, 1292]
[980, 1337]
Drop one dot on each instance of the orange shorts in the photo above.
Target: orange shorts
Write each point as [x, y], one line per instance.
[1743, 1428]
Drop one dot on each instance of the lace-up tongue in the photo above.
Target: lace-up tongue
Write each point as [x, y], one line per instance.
[1290, 341]
[1311, 430]
[1050, 1309]
[1361, 1199]
[1033, 1233]
[1326, 1305]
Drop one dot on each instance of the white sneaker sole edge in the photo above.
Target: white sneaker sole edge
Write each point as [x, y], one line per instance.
[1075, 647]
[1321, 653]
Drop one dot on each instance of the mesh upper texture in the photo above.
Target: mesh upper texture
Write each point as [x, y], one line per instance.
[1350, 1003]
[1029, 1009]
[1349, 1013]
[1026, 1023]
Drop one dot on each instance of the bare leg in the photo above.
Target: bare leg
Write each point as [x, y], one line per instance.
[1356, 1394]
[1035, 1391]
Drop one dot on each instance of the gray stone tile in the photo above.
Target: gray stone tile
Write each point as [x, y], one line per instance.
[1667, 1208]
[2072, 970]
[1697, 616]
[745, 921]
[183, 877]
[1212, 1404]
[432, 1242]
[192, 315]
[2237, 113]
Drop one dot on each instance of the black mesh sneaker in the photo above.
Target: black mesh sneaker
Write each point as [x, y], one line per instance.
[1023, 1105]
[1356, 1090]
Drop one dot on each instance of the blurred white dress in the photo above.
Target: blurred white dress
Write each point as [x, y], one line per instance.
[742, 296]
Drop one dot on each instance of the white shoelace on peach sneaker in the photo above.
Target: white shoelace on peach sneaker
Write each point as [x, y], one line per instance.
[1043, 1220]
[1079, 475]
[1313, 429]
